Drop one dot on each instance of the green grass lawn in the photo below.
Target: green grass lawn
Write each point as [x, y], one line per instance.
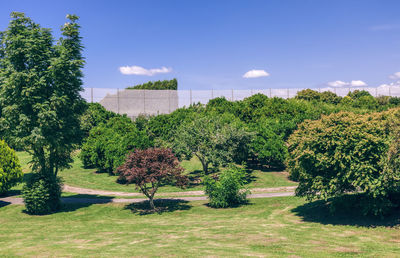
[266, 227]
[88, 178]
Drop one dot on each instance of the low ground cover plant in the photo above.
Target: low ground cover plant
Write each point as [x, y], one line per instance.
[151, 168]
[228, 190]
[10, 168]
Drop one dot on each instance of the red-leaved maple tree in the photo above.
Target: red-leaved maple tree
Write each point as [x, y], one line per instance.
[149, 169]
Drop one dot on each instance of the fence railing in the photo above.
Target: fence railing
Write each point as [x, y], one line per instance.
[152, 102]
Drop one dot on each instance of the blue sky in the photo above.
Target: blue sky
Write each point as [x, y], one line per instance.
[213, 44]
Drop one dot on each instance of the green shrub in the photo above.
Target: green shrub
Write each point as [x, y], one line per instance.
[108, 144]
[308, 94]
[157, 85]
[268, 147]
[162, 128]
[330, 97]
[394, 101]
[341, 154]
[94, 115]
[366, 102]
[42, 194]
[228, 190]
[10, 169]
[356, 94]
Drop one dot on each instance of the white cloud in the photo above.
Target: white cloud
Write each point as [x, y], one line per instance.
[395, 76]
[353, 83]
[338, 84]
[255, 74]
[138, 70]
[390, 85]
[357, 83]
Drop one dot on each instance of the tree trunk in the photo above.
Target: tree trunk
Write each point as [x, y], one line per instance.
[204, 164]
[205, 167]
[151, 201]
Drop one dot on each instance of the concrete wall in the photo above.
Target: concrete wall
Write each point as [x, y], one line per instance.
[137, 102]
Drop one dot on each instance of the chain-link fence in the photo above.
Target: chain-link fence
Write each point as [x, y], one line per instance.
[153, 102]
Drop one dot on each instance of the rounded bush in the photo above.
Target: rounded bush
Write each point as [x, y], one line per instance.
[227, 191]
[10, 169]
[109, 143]
[42, 194]
[94, 115]
[343, 154]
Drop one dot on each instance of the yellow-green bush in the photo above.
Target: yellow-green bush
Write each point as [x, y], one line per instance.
[10, 169]
[345, 153]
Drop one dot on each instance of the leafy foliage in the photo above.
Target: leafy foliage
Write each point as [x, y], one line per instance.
[308, 94]
[330, 97]
[95, 115]
[40, 99]
[42, 194]
[212, 139]
[40, 94]
[340, 154]
[356, 94]
[229, 190]
[268, 146]
[10, 169]
[312, 95]
[108, 144]
[157, 85]
[149, 169]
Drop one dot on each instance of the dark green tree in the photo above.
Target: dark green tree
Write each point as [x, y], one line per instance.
[157, 85]
[40, 94]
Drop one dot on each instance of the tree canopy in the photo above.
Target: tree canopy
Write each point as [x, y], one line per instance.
[157, 85]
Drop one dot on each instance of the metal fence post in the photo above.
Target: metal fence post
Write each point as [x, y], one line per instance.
[191, 97]
[232, 95]
[117, 101]
[91, 95]
[390, 92]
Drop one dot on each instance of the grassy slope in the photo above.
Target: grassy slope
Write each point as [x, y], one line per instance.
[266, 226]
[87, 178]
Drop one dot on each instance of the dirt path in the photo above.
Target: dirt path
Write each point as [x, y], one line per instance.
[13, 200]
[78, 190]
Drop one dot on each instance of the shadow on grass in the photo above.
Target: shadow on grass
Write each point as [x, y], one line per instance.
[195, 178]
[11, 193]
[3, 203]
[162, 206]
[87, 196]
[233, 206]
[77, 201]
[319, 212]
[264, 168]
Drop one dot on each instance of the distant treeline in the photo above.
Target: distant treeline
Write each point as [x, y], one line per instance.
[157, 85]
